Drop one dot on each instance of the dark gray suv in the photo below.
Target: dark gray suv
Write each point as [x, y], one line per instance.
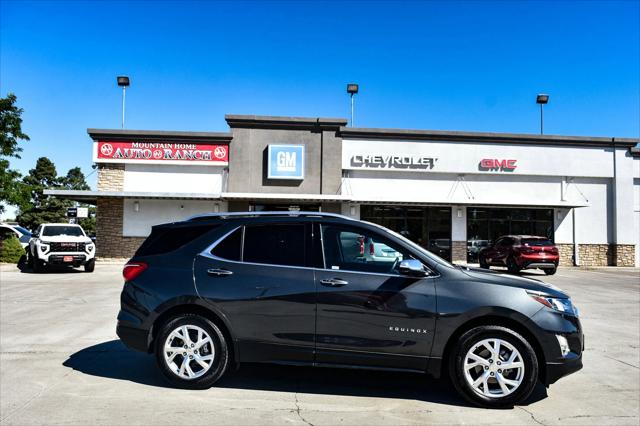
[326, 290]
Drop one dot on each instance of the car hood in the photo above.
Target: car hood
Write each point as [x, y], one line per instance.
[499, 278]
[65, 239]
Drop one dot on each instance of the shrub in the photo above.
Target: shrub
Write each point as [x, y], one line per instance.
[10, 250]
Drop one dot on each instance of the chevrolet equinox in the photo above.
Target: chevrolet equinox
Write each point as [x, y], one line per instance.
[325, 290]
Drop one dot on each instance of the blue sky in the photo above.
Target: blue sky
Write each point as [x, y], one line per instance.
[428, 65]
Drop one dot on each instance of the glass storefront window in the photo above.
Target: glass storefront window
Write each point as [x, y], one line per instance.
[485, 225]
[429, 227]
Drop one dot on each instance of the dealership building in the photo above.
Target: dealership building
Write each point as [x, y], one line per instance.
[451, 192]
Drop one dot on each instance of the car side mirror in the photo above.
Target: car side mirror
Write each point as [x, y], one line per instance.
[413, 268]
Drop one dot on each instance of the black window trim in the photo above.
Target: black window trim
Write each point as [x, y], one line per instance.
[433, 273]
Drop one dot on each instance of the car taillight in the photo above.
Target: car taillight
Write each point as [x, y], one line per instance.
[132, 270]
[372, 249]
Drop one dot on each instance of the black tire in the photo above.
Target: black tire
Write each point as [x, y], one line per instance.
[483, 263]
[550, 271]
[219, 347]
[38, 265]
[512, 266]
[90, 265]
[473, 337]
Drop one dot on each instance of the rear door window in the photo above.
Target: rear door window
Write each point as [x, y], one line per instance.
[275, 244]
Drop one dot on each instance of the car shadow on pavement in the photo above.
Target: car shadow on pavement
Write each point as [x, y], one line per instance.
[113, 360]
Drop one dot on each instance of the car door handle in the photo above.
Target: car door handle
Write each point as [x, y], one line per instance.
[219, 272]
[333, 282]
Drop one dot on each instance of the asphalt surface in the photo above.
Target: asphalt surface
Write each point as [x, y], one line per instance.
[61, 363]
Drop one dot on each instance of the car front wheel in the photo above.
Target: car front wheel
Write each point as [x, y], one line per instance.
[483, 263]
[192, 352]
[90, 265]
[493, 367]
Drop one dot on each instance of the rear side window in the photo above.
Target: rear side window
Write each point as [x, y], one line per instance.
[275, 244]
[230, 248]
[167, 239]
[536, 242]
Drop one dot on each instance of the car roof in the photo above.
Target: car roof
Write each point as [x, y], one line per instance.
[60, 224]
[288, 214]
[534, 237]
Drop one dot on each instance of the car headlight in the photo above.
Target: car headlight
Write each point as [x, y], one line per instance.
[90, 247]
[44, 248]
[561, 305]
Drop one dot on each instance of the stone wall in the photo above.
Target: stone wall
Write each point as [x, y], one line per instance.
[566, 254]
[110, 177]
[459, 251]
[595, 255]
[110, 244]
[624, 254]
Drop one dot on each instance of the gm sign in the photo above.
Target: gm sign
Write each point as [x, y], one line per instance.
[285, 162]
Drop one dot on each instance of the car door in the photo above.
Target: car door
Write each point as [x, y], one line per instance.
[256, 277]
[502, 251]
[369, 314]
[492, 253]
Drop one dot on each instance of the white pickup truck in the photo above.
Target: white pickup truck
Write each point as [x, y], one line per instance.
[61, 244]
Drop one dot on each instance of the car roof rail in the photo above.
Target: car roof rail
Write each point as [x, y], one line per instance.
[226, 215]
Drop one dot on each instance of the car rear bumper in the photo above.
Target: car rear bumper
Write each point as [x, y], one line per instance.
[133, 337]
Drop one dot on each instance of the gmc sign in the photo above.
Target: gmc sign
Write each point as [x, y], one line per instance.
[494, 164]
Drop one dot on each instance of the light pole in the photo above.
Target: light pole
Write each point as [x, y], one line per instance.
[542, 99]
[352, 89]
[123, 81]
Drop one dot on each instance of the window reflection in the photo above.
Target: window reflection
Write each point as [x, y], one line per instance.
[485, 225]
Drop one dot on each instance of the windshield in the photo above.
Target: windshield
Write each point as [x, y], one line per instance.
[536, 242]
[417, 247]
[22, 230]
[52, 231]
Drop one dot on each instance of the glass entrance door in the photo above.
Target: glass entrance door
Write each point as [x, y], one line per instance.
[430, 227]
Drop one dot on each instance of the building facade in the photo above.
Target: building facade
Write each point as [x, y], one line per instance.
[451, 192]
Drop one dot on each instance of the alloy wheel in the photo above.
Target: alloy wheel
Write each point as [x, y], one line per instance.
[189, 352]
[493, 368]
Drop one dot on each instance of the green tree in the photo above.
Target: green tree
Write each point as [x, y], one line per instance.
[11, 191]
[75, 180]
[41, 208]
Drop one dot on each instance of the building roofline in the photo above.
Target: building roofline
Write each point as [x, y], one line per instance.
[286, 123]
[457, 136]
[160, 136]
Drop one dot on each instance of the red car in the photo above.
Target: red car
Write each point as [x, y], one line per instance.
[518, 252]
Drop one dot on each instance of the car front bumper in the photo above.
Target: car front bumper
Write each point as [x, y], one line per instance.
[557, 370]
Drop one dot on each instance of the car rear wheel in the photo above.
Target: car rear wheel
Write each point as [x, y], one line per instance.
[550, 271]
[192, 352]
[512, 266]
[493, 367]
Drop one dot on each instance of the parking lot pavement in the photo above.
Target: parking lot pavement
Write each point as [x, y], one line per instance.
[61, 362]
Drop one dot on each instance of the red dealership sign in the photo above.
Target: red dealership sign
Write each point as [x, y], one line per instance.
[125, 151]
[497, 165]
